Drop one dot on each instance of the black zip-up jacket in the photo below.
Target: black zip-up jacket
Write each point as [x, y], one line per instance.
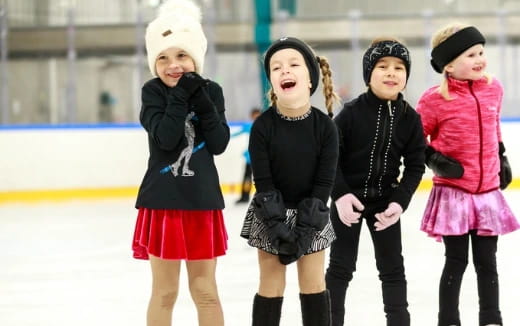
[177, 135]
[375, 135]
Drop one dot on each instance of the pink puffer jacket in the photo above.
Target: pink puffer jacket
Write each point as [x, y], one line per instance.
[467, 129]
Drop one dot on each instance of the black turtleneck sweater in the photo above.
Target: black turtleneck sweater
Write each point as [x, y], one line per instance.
[297, 156]
[376, 136]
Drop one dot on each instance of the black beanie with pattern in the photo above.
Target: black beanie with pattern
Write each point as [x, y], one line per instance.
[386, 48]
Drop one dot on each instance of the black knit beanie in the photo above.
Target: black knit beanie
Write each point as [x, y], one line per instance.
[293, 43]
[453, 46]
[382, 49]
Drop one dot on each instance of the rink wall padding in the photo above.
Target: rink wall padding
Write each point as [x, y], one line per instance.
[55, 163]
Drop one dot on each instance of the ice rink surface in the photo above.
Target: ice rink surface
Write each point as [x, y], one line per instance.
[70, 263]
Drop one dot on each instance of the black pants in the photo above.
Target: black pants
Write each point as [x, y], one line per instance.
[247, 183]
[484, 259]
[389, 262]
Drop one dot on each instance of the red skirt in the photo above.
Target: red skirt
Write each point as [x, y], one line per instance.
[179, 234]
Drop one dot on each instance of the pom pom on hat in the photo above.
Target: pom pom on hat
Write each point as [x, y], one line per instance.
[177, 25]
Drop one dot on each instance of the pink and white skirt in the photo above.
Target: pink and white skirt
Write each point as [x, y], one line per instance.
[452, 211]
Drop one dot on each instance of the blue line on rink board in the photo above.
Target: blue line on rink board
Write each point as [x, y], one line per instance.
[130, 125]
[92, 126]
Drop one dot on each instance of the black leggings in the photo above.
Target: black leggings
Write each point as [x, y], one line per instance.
[247, 182]
[389, 262]
[484, 250]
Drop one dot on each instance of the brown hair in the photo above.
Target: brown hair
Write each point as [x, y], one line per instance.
[386, 38]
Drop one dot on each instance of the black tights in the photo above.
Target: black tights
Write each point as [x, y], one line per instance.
[484, 250]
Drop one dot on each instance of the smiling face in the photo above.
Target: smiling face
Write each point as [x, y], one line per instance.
[290, 79]
[388, 78]
[469, 65]
[171, 64]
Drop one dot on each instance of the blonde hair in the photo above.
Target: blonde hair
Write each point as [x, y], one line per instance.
[440, 36]
[331, 97]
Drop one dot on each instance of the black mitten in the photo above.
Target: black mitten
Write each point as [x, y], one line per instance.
[313, 216]
[505, 174]
[201, 102]
[270, 208]
[177, 100]
[191, 82]
[442, 165]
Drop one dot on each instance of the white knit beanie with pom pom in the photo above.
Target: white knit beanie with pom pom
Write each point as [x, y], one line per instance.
[177, 25]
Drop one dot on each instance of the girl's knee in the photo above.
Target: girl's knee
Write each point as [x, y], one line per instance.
[311, 283]
[165, 299]
[312, 287]
[204, 292]
[456, 264]
[271, 287]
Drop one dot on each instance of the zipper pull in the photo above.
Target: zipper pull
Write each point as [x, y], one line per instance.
[389, 103]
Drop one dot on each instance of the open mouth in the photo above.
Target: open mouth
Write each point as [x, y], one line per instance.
[288, 84]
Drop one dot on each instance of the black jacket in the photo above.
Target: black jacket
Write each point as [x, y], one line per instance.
[374, 136]
[177, 135]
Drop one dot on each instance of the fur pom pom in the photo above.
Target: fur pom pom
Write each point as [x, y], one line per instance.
[181, 8]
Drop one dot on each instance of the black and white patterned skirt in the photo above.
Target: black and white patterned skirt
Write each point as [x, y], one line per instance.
[254, 231]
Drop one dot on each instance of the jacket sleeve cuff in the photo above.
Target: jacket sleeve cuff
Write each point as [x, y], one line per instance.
[501, 148]
[339, 190]
[401, 198]
[428, 152]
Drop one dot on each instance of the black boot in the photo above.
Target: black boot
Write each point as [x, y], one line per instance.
[316, 309]
[244, 199]
[267, 311]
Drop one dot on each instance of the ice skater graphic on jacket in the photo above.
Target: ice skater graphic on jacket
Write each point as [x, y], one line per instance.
[189, 133]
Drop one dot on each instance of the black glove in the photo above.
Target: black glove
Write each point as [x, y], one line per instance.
[313, 216]
[201, 102]
[191, 82]
[442, 165]
[177, 99]
[505, 174]
[270, 208]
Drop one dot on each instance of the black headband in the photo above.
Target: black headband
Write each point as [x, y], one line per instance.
[454, 45]
[293, 43]
[382, 49]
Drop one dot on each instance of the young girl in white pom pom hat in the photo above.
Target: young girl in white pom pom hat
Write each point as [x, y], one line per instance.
[180, 201]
